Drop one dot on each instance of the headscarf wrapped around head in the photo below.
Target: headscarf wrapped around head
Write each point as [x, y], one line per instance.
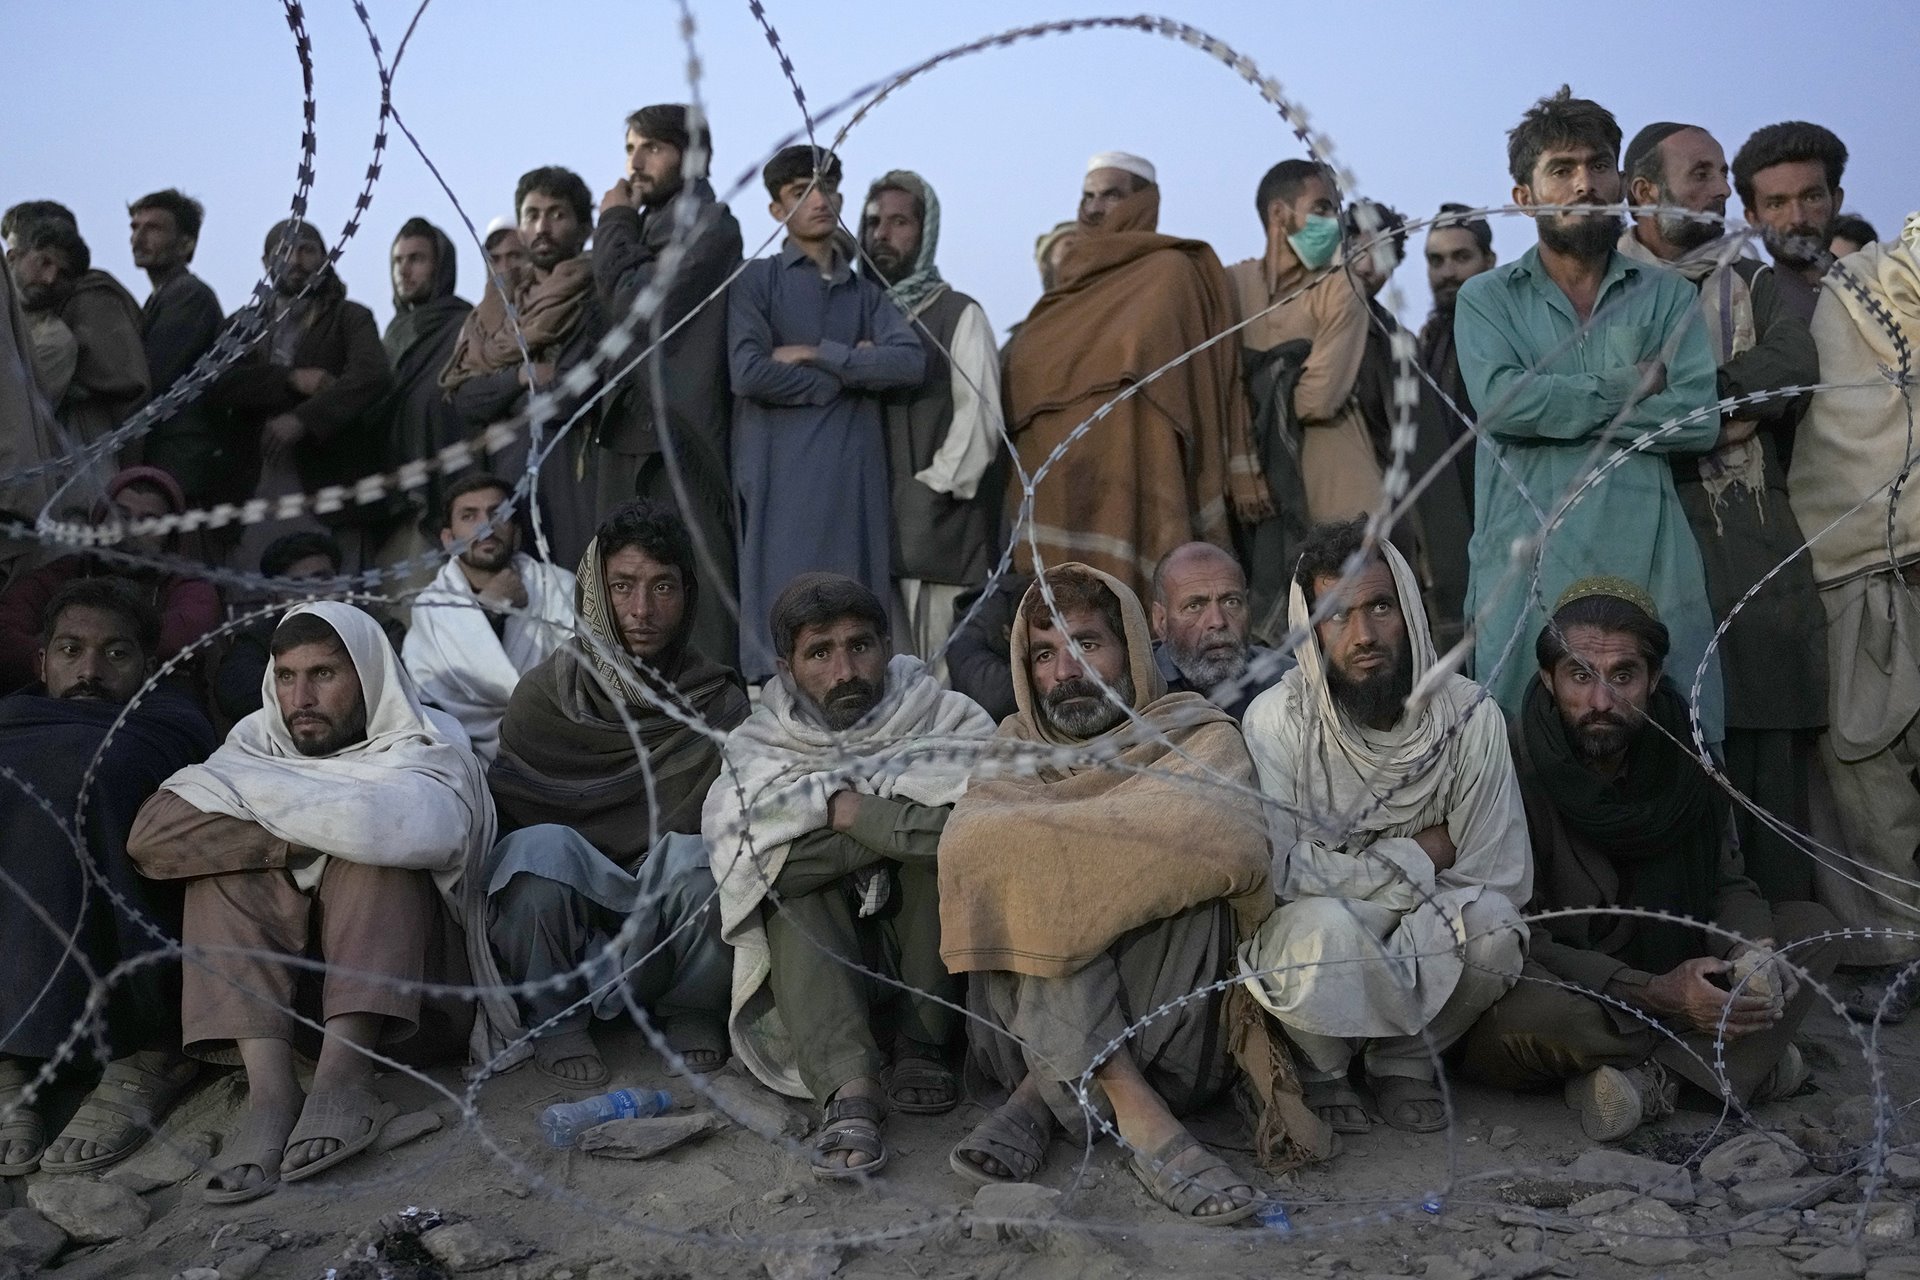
[923, 284]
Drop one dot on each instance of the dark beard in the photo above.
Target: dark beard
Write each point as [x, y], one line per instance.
[1086, 720]
[1797, 246]
[1377, 698]
[1584, 236]
[337, 737]
[474, 558]
[848, 702]
[1599, 737]
[889, 269]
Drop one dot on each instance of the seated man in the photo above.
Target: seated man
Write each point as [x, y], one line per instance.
[606, 754]
[98, 647]
[824, 826]
[1622, 817]
[1399, 845]
[491, 615]
[1202, 625]
[317, 830]
[1085, 889]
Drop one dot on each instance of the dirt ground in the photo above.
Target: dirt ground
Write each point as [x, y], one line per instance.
[735, 1204]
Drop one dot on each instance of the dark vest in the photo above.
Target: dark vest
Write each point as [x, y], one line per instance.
[937, 538]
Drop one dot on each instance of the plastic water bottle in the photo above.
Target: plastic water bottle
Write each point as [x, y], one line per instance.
[564, 1122]
[1273, 1216]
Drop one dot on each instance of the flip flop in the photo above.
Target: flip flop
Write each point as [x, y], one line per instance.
[336, 1114]
[927, 1075]
[19, 1122]
[1322, 1096]
[1185, 1190]
[123, 1111]
[257, 1145]
[1011, 1136]
[1395, 1092]
[556, 1047]
[837, 1135]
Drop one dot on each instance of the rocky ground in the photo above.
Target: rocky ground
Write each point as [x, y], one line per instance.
[1513, 1192]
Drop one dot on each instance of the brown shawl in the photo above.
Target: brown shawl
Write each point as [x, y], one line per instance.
[1127, 302]
[549, 310]
[1044, 865]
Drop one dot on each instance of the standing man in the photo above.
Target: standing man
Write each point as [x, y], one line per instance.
[665, 435]
[1773, 655]
[557, 316]
[1788, 176]
[301, 403]
[491, 615]
[944, 435]
[812, 348]
[1161, 466]
[427, 317]
[1571, 354]
[179, 322]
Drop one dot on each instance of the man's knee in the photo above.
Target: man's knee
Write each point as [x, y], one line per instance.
[514, 910]
[1494, 951]
[1322, 930]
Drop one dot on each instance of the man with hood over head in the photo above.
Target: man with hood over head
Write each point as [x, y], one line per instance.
[419, 341]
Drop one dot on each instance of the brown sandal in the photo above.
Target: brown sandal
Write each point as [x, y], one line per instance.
[844, 1130]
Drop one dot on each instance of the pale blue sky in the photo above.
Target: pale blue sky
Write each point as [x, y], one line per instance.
[122, 97]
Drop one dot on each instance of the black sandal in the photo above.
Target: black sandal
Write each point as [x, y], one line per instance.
[1012, 1137]
[838, 1133]
[916, 1069]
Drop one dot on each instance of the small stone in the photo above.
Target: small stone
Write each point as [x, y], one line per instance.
[1012, 1211]
[408, 1128]
[1751, 1240]
[1442, 1267]
[1528, 1240]
[644, 1137]
[808, 1262]
[28, 1239]
[463, 1246]
[1751, 1157]
[244, 1263]
[1502, 1137]
[1854, 1120]
[1649, 1234]
[1894, 1268]
[164, 1162]
[1782, 1193]
[1903, 1171]
[90, 1212]
[746, 1103]
[1841, 1262]
[1532, 1218]
[197, 1273]
[1890, 1223]
[1655, 1178]
[1604, 1202]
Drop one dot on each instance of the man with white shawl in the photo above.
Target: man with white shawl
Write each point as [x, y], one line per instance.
[327, 816]
[823, 829]
[1400, 852]
[491, 615]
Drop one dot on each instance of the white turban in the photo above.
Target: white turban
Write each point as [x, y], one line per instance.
[1123, 160]
[496, 226]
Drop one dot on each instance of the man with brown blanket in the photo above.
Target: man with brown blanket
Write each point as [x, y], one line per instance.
[504, 356]
[607, 750]
[1094, 890]
[1161, 467]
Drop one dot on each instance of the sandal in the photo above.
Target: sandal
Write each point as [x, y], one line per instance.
[259, 1145]
[700, 1040]
[123, 1111]
[1887, 999]
[550, 1050]
[18, 1121]
[1011, 1136]
[1185, 1190]
[915, 1068]
[1328, 1099]
[1396, 1094]
[337, 1114]
[839, 1132]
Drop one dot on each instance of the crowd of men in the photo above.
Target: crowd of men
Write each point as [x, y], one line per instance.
[1241, 818]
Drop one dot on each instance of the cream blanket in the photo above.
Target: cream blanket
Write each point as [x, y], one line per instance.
[410, 794]
[781, 767]
[1859, 436]
[462, 667]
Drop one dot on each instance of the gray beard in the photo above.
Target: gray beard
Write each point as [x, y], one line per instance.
[1204, 672]
[1097, 717]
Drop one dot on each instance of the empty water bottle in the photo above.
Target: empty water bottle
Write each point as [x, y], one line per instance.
[1273, 1216]
[564, 1122]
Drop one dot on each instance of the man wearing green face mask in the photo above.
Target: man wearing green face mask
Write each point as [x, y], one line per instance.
[1288, 294]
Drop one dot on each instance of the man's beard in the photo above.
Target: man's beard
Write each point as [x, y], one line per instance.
[1376, 698]
[889, 266]
[1682, 232]
[1217, 659]
[91, 689]
[497, 556]
[1443, 299]
[1586, 236]
[39, 298]
[1800, 246]
[1599, 735]
[848, 702]
[336, 736]
[1080, 709]
[546, 253]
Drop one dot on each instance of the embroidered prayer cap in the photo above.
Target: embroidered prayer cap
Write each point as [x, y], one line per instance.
[1609, 585]
[1125, 161]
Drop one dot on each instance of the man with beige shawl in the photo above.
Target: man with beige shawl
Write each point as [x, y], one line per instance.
[324, 821]
[822, 831]
[1093, 883]
[1400, 849]
[1854, 449]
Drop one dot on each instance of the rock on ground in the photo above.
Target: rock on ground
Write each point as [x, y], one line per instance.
[1007, 1211]
[642, 1138]
[1648, 1233]
[1655, 1178]
[242, 1265]
[463, 1246]
[1782, 1193]
[28, 1239]
[1753, 1156]
[164, 1162]
[1841, 1262]
[90, 1212]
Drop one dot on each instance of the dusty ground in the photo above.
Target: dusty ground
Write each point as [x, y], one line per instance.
[737, 1205]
